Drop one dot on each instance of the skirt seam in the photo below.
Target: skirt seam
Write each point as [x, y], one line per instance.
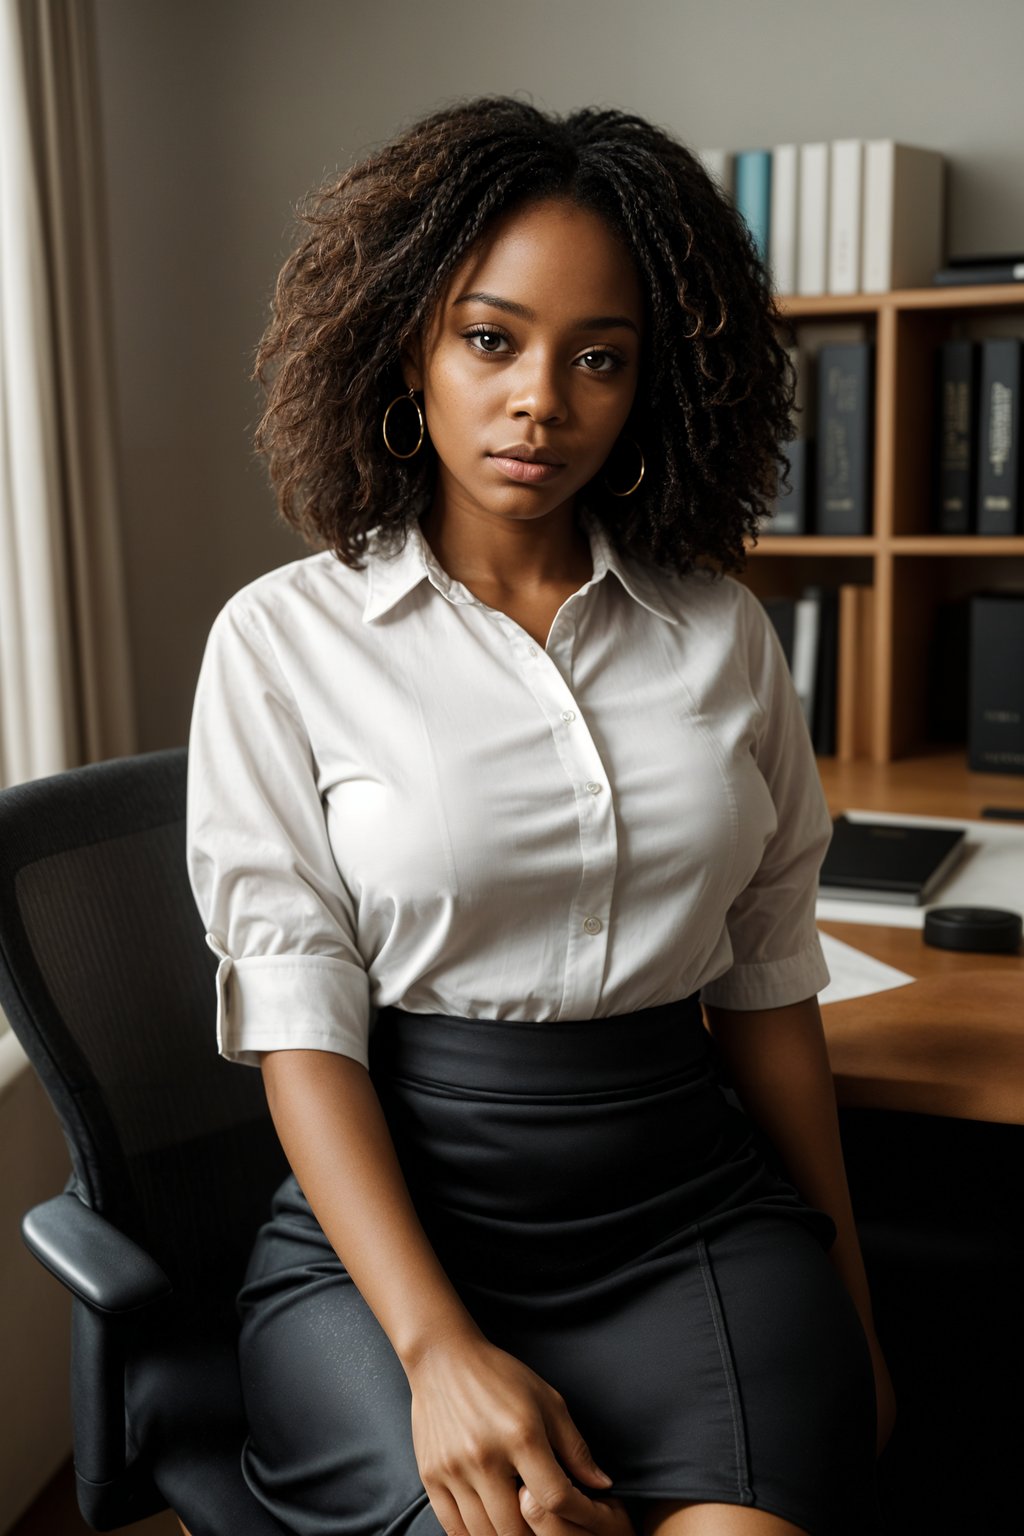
[419, 1502]
[746, 1493]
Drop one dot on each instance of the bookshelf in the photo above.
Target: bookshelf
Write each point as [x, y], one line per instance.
[910, 569]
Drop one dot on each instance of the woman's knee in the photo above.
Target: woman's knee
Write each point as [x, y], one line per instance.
[694, 1517]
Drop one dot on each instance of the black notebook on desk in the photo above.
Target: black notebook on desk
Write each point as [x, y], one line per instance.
[888, 861]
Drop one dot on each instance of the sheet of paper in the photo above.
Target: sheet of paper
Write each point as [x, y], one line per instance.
[855, 974]
[990, 874]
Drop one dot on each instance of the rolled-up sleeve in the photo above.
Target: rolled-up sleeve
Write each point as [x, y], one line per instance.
[277, 914]
[777, 954]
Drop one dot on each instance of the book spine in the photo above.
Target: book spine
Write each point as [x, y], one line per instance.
[825, 669]
[956, 414]
[999, 468]
[996, 695]
[952, 277]
[865, 724]
[877, 244]
[903, 215]
[753, 194]
[918, 215]
[812, 253]
[845, 215]
[805, 654]
[846, 435]
[782, 223]
[782, 612]
[855, 672]
[949, 649]
[791, 513]
[986, 261]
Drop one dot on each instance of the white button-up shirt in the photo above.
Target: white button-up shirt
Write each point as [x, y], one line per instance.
[397, 796]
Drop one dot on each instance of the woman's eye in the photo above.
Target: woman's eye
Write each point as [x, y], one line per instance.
[485, 341]
[600, 362]
[497, 344]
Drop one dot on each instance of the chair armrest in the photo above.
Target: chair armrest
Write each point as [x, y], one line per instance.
[98, 1264]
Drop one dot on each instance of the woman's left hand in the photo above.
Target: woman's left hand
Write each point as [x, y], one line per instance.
[609, 1518]
[884, 1394]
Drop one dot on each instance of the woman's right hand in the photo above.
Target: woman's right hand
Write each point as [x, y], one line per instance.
[482, 1424]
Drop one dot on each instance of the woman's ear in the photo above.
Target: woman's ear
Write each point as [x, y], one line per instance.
[412, 364]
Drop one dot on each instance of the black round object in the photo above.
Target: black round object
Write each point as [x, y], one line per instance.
[988, 930]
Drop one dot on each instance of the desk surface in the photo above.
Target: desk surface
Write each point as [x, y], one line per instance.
[952, 1041]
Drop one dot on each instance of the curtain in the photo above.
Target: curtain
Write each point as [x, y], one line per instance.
[65, 684]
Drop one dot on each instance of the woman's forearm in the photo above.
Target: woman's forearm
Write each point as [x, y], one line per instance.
[778, 1062]
[482, 1420]
[336, 1139]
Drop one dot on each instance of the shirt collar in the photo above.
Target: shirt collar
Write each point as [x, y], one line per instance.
[391, 577]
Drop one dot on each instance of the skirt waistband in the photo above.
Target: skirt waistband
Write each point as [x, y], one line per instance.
[576, 1056]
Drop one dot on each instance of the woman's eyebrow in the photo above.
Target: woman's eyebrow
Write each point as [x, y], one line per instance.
[590, 323]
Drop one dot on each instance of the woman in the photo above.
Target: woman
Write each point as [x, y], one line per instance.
[486, 798]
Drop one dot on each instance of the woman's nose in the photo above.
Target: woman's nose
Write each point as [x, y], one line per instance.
[537, 392]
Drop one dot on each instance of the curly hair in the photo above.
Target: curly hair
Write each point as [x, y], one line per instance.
[716, 387]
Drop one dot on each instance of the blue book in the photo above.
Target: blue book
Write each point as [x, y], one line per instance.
[753, 195]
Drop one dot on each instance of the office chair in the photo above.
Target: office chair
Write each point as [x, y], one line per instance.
[108, 984]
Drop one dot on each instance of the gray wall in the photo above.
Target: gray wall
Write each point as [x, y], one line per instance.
[219, 114]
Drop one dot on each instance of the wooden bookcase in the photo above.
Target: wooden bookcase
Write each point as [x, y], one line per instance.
[910, 569]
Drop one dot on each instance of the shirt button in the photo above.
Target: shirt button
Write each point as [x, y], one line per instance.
[592, 924]
[533, 650]
[568, 714]
[595, 789]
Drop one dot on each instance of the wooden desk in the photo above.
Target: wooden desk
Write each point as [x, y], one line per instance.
[952, 1042]
[930, 1083]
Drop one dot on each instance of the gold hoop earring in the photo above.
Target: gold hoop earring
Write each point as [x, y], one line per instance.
[423, 426]
[636, 482]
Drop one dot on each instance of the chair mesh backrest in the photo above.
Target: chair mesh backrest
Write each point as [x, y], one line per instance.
[109, 985]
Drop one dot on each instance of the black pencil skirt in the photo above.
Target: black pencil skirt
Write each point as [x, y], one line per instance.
[612, 1219]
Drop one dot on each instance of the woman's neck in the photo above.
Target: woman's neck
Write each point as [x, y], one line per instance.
[509, 556]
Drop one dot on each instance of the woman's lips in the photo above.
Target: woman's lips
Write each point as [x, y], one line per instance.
[527, 473]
